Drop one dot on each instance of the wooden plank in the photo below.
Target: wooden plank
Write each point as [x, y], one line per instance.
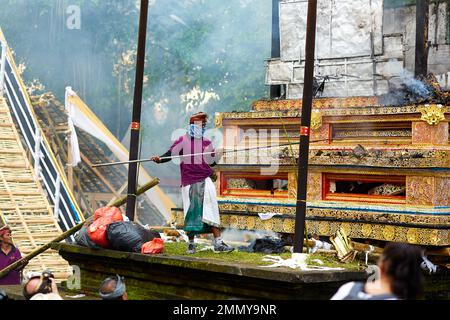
[105, 181]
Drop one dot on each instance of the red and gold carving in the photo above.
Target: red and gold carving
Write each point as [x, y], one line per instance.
[420, 191]
[314, 192]
[429, 191]
[442, 192]
[292, 185]
[423, 133]
[321, 135]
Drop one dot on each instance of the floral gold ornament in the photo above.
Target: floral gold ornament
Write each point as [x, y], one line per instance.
[218, 120]
[316, 120]
[432, 113]
[434, 237]
[412, 235]
[324, 228]
[366, 230]
[389, 232]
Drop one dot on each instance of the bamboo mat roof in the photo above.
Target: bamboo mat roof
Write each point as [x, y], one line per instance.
[23, 202]
[112, 180]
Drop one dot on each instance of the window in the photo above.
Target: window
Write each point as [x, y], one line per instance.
[253, 185]
[364, 188]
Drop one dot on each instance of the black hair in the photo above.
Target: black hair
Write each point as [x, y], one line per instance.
[402, 267]
[45, 286]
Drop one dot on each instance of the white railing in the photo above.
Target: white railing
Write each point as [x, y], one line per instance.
[46, 167]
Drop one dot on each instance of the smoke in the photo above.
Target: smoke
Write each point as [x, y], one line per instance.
[246, 235]
[204, 55]
[213, 53]
[417, 88]
[407, 90]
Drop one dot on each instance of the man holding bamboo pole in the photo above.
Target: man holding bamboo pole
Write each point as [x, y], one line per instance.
[201, 210]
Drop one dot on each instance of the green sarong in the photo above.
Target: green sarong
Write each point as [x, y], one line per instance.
[193, 223]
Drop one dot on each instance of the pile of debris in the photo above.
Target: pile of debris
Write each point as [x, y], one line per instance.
[109, 230]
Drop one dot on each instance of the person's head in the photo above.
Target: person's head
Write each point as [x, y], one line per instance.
[200, 119]
[113, 288]
[400, 265]
[39, 283]
[5, 234]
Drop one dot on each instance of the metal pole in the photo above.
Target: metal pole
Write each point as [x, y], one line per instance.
[300, 213]
[421, 58]
[2, 68]
[137, 103]
[275, 90]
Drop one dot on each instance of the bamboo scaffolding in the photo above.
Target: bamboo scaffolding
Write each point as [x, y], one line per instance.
[41, 250]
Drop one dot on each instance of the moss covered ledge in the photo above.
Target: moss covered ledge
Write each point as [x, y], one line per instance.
[166, 276]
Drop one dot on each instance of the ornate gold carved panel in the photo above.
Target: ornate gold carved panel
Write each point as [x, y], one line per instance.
[314, 186]
[423, 133]
[420, 191]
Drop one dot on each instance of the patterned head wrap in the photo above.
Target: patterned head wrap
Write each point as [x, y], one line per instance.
[4, 229]
[118, 291]
[199, 117]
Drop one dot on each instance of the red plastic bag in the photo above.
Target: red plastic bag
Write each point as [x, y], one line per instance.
[153, 247]
[112, 212]
[102, 218]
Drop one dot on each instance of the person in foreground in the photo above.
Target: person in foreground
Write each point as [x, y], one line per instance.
[400, 277]
[113, 288]
[200, 205]
[41, 287]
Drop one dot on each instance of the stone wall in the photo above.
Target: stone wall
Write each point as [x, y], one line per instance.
[360, 46]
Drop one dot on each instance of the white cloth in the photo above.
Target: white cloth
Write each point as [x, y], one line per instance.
[84, 119]
[48, 296]
[267, 215]
[293, 263]
[210, 213]
[74, 146]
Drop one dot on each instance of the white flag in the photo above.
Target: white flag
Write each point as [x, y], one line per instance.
[74, 146]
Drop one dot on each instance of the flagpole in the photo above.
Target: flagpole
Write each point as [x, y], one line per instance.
[300, 213]
[137, 103]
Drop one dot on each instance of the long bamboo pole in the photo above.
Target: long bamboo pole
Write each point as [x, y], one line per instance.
[22, 262]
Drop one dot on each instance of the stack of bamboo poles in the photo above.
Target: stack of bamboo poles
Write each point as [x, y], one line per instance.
[23, 201]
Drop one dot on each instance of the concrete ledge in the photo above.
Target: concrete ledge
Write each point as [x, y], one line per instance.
[179, 277]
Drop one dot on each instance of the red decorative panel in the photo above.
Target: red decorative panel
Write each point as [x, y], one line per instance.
[423, 133]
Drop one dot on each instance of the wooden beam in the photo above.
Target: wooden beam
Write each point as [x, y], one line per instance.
[105, 181]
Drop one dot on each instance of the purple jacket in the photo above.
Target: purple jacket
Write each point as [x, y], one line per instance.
[193, 169]
[13, 277]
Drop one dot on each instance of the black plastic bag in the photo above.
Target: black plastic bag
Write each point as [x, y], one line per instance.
[265, 245]
[82, 237]
[128, 236]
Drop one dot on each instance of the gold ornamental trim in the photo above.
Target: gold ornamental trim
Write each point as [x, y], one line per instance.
[316, 120]
[218, 120]
[432, 113]
[422, 236]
